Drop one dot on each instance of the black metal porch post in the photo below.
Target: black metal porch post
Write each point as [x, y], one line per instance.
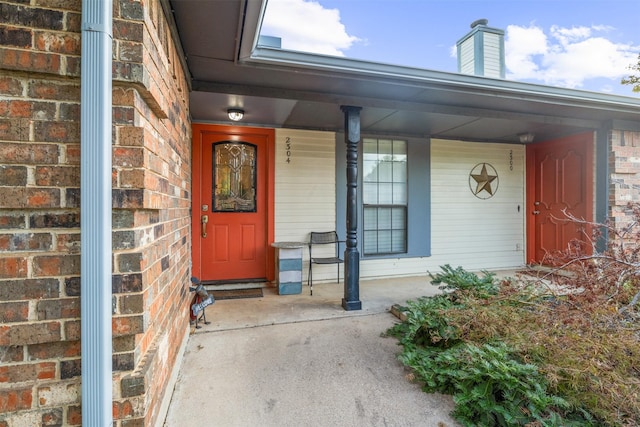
[351, 300]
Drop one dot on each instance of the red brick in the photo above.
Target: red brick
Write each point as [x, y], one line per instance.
[73, 66]
[70, 368]
[14, 312]
[17, 109]
[27, 372]
[20, 197]
[134, 422]
[127, 325]
[56, 350]
[74, 20]
[128, 408]
[53, 417]
[53, 90]
[67, 308]
[127, 198]
[11, 268]
[16, 37]
[132, 178]
[69, 111]
[10, 86]
[13, 175]
[123, 115]
[12, 221]
[13, 290]
[11, 354]
[72, 195]
[123, 362]
[33, 333]
[130, 262]
[130, 51]
[20, 60]
[27, 153]
[25, 242]
[14, 129]
[55, 220]
[56, 265]
[129, 157]
[73, 154]
[57, 176]
[74, 416]
[124, 343]
[57, 131]
[16, 399]
[131, 304]
[58, 42]
[72, 330]
[69, 243]
[33, 17]
[127, 30]
[130, 136]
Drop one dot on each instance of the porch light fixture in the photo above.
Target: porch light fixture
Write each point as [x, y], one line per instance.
[235, 114]
[526, 137]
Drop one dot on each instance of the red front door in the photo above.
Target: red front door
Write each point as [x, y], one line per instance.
[559, 180]
[231, 220]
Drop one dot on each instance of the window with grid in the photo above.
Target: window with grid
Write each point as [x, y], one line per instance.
[384, 196]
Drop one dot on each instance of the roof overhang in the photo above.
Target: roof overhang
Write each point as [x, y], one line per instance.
[280, 88]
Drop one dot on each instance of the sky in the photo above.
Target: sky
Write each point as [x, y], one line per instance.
[577, 44]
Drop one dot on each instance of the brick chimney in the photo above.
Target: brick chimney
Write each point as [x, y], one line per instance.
[481, 51]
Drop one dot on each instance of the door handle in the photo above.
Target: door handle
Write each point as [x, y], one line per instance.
[204, 219]
[536, 212]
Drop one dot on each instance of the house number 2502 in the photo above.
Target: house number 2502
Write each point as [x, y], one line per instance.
[287, 143]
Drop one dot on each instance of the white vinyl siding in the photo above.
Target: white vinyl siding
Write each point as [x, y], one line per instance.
[465, 230]
[492, 59]
[305, 192]
[467, 57]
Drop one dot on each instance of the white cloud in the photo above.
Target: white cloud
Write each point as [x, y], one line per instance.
[315, 29]
[565, 56]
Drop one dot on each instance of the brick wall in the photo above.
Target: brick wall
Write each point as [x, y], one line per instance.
[40, 212]
[624, 168]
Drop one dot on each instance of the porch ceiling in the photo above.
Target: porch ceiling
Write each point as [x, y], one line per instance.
[295, 90]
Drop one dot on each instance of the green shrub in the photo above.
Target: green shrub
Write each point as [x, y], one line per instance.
[489, 386]
[479, 342]
[461, 280]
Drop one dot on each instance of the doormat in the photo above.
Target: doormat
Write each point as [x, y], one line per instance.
[236, 293]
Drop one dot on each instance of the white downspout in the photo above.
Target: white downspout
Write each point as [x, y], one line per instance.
[95, 212]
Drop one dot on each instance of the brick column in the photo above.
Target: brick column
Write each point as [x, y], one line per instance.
[624, 180]
[40, 212]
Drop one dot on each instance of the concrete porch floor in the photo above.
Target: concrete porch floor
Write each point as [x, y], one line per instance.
[292, 360]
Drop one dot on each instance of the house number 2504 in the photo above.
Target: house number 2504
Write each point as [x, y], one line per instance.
[287, 143]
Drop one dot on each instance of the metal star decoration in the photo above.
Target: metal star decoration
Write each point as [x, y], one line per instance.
[483, 180]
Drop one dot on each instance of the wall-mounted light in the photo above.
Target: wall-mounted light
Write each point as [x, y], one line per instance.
[235, 114]
[526, 137]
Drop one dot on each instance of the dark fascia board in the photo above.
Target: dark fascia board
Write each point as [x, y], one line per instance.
[250, 54]
[625, 125]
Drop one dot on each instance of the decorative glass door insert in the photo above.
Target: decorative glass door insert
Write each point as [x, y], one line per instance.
[234, 177]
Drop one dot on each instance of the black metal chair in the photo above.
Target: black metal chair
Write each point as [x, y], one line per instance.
[323, 238]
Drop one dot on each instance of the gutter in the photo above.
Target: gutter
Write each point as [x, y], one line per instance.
[95, 212]
[487, 86]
